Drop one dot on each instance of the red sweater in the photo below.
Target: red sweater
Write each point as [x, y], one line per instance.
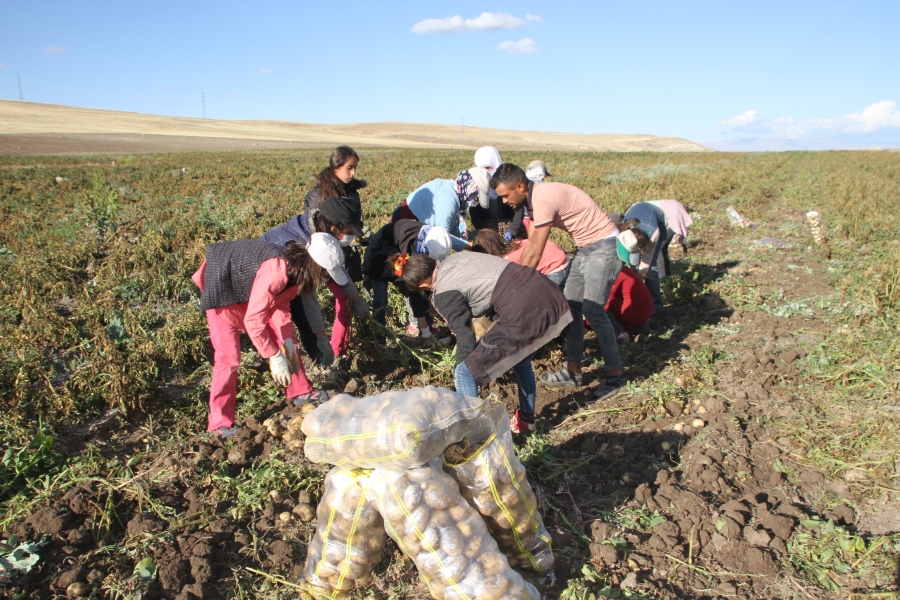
[630, 301]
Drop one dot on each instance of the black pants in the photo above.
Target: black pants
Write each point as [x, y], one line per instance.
[307, 335]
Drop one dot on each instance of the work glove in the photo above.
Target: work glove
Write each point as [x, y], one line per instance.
[281, 369]
[324, 346]
[508, 236]
[290, 351]
[361, 307]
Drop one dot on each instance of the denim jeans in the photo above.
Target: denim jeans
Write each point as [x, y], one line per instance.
[591, 276]
[652, 281]
[466, 384]
[559, 277]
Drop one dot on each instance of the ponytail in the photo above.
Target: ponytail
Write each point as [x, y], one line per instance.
[413, 270]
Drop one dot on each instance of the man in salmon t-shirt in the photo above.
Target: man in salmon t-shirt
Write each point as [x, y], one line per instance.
[593, 270]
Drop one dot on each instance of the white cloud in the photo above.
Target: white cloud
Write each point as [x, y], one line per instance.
[485, 22]
[534, 18]
[524, 46]
[743, 119]
[55, 50]
[265, 71]
[873, 118]
[2, 66]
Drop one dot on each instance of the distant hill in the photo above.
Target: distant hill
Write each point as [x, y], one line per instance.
[31, 128]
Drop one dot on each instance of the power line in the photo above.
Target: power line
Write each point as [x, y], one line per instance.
[19, 78]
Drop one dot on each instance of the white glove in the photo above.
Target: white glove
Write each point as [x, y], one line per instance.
[425, 333]
[281, 369]
[290, 352]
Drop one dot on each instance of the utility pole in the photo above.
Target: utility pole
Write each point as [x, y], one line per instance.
[19, 77]
[203, 101]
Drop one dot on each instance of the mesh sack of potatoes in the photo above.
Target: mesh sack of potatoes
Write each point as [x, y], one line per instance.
[394, 430]
[493, 481]
[349, 536]
[444, 536]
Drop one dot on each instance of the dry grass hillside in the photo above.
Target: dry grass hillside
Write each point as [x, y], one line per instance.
[28, 128]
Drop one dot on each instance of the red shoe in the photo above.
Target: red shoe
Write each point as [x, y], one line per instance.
[519, 425]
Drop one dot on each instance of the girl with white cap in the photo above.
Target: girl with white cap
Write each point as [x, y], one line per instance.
[247, 285]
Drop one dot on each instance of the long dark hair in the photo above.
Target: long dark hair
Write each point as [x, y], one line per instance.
[644, 243]
[491, 242]
[418, 268]
[326, 180]
[303, 271]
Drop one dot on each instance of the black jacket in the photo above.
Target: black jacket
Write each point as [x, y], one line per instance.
[350, 198]
[393, 238]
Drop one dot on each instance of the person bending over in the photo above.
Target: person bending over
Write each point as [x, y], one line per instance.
[247, 285]
[527, 308]
[388, 250]
[332, 217]
[591, 276]
[554, 263]
[444, 202]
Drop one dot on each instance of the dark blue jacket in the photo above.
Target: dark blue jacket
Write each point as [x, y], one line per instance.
[297, 229]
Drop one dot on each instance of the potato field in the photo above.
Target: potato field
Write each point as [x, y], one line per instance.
[754, 454]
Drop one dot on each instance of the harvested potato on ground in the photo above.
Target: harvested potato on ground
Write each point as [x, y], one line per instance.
[274, 427]
[444, 536]
[295, 423]
[293, 440]
[349, 536]
[493, 481]
[394, 430]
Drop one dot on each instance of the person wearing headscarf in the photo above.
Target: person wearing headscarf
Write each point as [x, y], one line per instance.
[444, 202]
[537, 171]
[496, 216]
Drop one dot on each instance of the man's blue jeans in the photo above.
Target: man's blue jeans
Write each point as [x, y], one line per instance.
[466, 384]
[591, 276]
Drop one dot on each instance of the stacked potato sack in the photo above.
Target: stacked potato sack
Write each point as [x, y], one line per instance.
[403, 436]
[349, 537]
[494, 482]
[816, 226]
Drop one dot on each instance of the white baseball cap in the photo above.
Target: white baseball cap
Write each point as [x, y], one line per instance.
[326, 251]
[437, 243]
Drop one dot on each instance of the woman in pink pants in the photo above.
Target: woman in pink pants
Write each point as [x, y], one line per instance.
[247, 285]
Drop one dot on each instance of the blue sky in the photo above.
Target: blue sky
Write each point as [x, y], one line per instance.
[794, 74]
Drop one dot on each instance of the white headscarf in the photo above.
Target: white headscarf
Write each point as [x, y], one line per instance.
[488, 158]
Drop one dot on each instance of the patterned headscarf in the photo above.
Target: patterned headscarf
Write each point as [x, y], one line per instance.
[472, 187]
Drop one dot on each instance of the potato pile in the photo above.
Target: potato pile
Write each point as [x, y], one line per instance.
[443, 442]
[349, 537]
[493, 481]
[393, 430]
